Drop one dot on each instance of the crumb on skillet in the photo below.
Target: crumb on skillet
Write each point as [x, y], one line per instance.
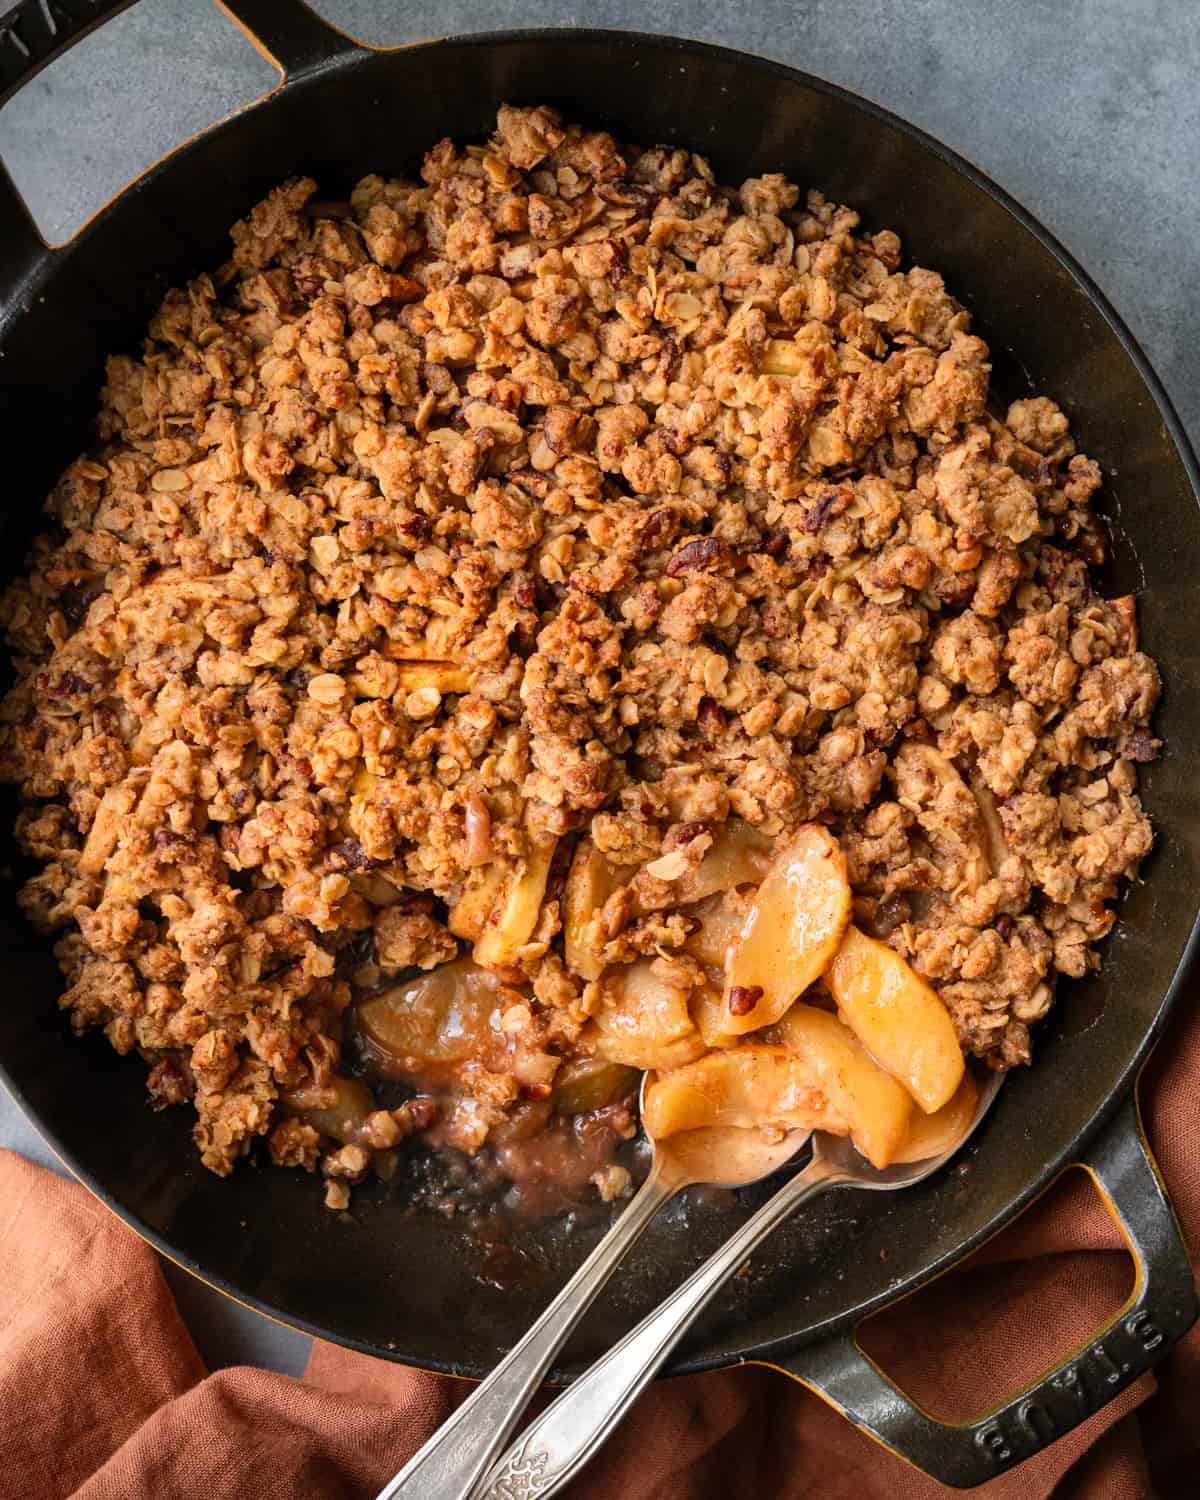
[563, 490]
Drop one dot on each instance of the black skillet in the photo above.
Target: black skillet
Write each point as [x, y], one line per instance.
[410, 1286]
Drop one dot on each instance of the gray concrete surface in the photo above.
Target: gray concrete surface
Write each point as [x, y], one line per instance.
[1086, 110]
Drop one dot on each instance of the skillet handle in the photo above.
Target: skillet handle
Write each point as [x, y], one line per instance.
[33, 34]
[290, 35]
[24, 250]
[1161, 1308]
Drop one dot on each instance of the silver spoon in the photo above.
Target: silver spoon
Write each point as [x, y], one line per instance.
[460, 1452]
[557, 1444]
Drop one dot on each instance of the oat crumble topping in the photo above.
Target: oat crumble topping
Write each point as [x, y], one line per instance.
[563, 492]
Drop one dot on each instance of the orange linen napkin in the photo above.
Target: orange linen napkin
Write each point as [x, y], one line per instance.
[104, 1397]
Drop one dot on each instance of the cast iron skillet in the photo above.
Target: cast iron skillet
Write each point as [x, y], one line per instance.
[409, 1286]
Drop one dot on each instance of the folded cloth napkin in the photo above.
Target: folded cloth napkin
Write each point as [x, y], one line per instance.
[104, 1397]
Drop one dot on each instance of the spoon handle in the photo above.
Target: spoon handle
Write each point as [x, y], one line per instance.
[455, 1458]
[556, 1445]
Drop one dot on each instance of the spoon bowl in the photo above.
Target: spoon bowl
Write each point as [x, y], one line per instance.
[724, 1156]
[838, 1156]
[719, 1156]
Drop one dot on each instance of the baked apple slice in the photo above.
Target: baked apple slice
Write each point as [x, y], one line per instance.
[639, 1001]
[591, 1083]
[483, 889]
[646, 1055]
[511, 926]
[721, 919]
[337, 1111]
[444, 1016]
[877, 1109]
[791, 931]
[935, 1134]
[442, 675]
[749, 1087]
[499, 907]
[590, 881]
[897, 1017]
[738, 855]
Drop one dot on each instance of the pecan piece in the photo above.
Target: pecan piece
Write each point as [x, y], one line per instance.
[626, 194]
[702, 552]
[1141, 746]
[683, 833]
[416, 528]
[531, 482]
[421, 1112]
[743, 998]
[669, 359]
[822, 511]
[618, 261]
[657, 524]
[563, 428]
[711, 717]
[674, 442]
[350, 856]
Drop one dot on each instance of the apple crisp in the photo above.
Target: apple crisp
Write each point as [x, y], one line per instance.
[478, 586]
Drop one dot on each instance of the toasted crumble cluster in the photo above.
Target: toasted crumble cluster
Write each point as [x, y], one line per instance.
[563, 491]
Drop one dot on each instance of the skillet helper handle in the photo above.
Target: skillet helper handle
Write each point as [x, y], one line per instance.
[22, 250]
[456, 1457]
[291, 34]
[1161, 1308]
[33, 33]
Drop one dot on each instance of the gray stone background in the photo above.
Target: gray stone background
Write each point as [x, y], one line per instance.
[1087, 111]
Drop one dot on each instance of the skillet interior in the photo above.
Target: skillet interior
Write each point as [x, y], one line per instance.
[406, 1286]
